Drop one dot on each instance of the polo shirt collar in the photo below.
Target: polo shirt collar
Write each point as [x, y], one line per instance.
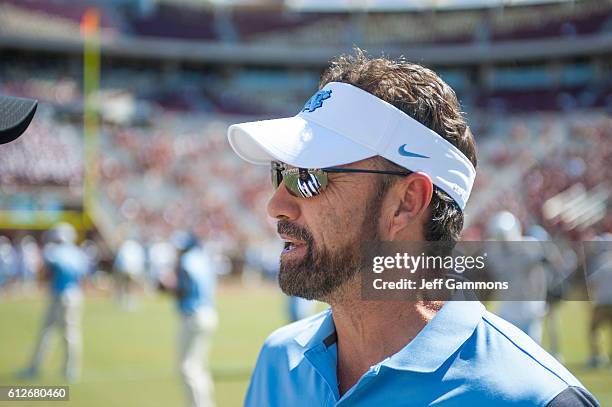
[317, 331]
[435, 344]
[440, 338]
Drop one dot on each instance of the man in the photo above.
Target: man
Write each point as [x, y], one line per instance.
[65, 265]
[194, 288]
[128, 268]
[525, 271]
[599, 268]
[8, 262]
[402, 167]
[559, 265]
[161, 256]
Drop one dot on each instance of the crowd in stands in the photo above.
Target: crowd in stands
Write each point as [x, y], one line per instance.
[52, 155]
[564, 99]
[178, 172]
[536, 158]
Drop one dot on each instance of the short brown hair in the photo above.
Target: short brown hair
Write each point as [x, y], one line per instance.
[423, 95]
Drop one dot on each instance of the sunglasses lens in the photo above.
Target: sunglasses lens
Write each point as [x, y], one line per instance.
[299, 182]
[305, 183]
[276, 175]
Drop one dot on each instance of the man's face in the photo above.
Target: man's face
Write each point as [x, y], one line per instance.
[324, 234]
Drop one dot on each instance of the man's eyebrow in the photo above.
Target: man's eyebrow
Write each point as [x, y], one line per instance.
[336, 175]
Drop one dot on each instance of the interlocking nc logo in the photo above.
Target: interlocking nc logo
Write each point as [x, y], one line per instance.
[316, 101]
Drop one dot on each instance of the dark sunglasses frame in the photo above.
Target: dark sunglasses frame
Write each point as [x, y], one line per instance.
[279, 172]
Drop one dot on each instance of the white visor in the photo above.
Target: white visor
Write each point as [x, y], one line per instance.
[342, 124]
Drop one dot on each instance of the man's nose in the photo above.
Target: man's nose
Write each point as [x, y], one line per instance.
[283, 205]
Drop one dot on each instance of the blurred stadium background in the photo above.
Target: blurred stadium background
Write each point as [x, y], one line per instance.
[148, 155]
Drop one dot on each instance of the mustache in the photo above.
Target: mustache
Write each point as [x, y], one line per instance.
[298, 232]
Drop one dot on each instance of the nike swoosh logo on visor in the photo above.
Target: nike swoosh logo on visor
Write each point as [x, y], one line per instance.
[402, 150]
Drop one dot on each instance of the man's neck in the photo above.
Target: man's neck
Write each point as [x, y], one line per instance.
[370, 331]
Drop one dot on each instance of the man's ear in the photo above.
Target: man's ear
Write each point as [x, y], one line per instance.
[412, 195]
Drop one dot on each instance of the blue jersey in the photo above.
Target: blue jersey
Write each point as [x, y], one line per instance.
[196, 281]
[465, 356]
[67, 264]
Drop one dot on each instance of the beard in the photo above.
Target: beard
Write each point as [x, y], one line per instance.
[321, 272]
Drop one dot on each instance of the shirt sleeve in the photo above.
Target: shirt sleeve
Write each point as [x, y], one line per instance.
[574, 396]
[257, 394]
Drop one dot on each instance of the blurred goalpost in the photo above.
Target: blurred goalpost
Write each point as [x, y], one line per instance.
[90, 30]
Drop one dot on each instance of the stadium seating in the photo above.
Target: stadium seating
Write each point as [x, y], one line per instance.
[177, 170]
[175, 22]
[572, 25]
[277, 26]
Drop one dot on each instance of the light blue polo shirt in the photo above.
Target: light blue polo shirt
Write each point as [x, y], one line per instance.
[67, 265]
[465, 356]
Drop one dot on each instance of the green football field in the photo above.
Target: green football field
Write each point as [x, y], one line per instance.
[129, 357]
